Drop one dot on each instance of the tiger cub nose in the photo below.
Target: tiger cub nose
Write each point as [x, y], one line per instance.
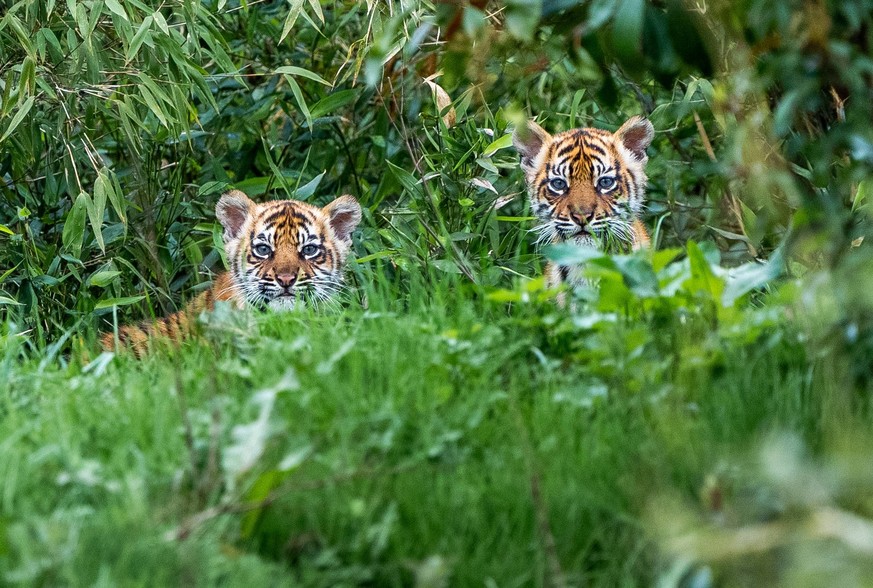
[581, 218]
[286, 280]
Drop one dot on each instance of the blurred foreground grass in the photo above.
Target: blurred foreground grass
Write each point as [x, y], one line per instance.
[658, 436]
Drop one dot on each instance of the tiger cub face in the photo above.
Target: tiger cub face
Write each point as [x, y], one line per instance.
[587, 185]
[284, 252]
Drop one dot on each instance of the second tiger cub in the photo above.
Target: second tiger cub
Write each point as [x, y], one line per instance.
[586, 186]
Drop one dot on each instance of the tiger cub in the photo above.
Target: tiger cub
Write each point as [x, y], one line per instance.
[587, 187]
[281, 254]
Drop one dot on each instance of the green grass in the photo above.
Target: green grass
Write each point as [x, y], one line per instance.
[400, 445]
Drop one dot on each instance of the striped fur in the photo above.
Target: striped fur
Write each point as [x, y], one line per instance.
[586, 186]
[281, 254]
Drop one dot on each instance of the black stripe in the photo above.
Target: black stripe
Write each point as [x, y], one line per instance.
[596, 148]
[567, 149]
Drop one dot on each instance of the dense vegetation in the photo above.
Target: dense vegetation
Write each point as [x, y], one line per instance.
[702, 417]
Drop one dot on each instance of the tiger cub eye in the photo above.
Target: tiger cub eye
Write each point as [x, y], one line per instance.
[606, 183]
[558, 184]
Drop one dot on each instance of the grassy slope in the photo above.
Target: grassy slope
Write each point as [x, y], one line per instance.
[412, 433]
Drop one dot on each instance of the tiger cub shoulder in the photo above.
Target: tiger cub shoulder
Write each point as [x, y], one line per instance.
[586, 186]
[281, 254]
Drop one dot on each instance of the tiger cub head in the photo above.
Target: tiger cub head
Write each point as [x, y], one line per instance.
[286, 252]
[586, 185]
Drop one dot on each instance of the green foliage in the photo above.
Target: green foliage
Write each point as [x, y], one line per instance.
[380, 446]
[401, 441]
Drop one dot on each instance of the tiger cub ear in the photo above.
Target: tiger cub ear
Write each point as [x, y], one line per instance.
[528, 139]
[636, 135]
[233, 210]
[344, 214]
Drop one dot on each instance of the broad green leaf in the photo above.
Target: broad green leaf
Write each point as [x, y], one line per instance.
[751, 276]
[333, 102]
[214, 187]
[863, 195]
[291, 70]
[96, 207]
[316, 8]
[307, 190]
[406, 179]
[124, 301]
[638, 274]
[74, 226]
[729, 234]
[574, 108]
[374, 256]
[82, 20]
[498, 144]
[301, 101]
[259, 490]
[115, 7]
[9, 272]
[119, 204]
[139, 38]
[514, 219]
[51, 39]
[571, 254]
[103, 278]
[161, 22]
[662, 257]
[154, 106]
[448, 266]
[27, 81]
[703, 279]
[522, 17]
[293, 13]
[19, 116]
[155, 89]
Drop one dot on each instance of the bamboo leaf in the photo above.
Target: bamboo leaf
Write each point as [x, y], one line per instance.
[291, 70]
[74, 227]
[161, 22]
[19, 116]
[139, 37]
[333, 102]
[498, 144]
[116, 8]
[96, 207]
[316, 8]
[28, 77]
[154, 106]
[102, 278]
[155, 89]
[293, 13]
[124, 301]
[301, 101]
[308, 189]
